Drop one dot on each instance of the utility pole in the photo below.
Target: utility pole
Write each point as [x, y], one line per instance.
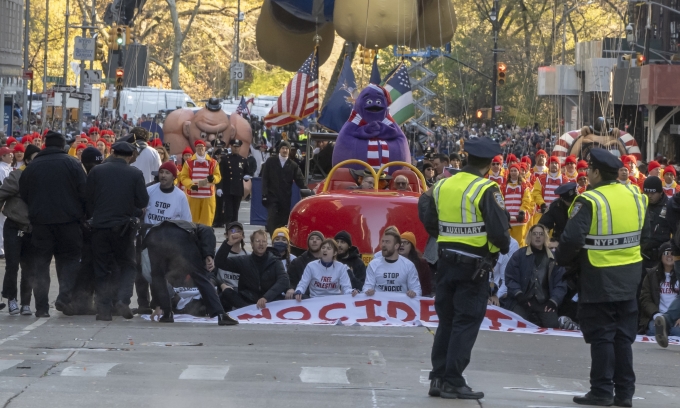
[26, 114]
[81, 86]
[648, 32]
[64, 94]
[233, 92]
[494, 88]
[43, 116]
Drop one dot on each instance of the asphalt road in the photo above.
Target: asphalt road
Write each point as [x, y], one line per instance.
[79, 362]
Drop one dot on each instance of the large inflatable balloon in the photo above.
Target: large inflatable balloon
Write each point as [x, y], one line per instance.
[580, 142]
[286, 28]
[370, 134]
[183, 127]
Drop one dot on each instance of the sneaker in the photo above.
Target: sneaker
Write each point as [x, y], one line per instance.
[660, 331]
[13, 307]
[26, 310]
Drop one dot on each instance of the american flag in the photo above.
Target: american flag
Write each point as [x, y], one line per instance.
[243, 107]
[301, 96]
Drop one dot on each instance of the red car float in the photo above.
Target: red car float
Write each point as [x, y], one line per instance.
[365, 214]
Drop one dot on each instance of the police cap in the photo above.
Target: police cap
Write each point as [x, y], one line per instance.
[566, 191]
[236, 142]
[122, 149]
[604, 160]
[482, 147]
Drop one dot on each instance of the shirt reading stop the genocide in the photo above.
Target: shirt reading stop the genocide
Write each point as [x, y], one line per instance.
[166, 206]
[398, 276]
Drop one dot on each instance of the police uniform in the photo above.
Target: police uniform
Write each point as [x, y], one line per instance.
[466, 213]
[658, 225]
[233, 168]
[606, 228]
[558, 212]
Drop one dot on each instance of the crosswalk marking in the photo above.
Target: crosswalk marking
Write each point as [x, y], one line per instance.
[204, 372]
[5, 364]
[88, 370]
[324, 375]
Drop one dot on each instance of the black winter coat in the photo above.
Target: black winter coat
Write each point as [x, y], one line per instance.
[660, 230]
[650, 296]
[518, 273]
[253, 285]
[116, 192]
[53, 187]
[356, 266]
[297, 268]
[277, 181]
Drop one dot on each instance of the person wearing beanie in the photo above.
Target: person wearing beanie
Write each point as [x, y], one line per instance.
[392, 272]
[656, 213]
[298, 265]
[186, 156]
[582, 181]
[631, 162]
[497, 173]
[350, 256]
[278, 175]
[625, 179]
[17, 233]
[25, 141]
[79, 150]
[199, 176]
[543, 193]
[570, 171]
[18, 159]
[654, 169]
[409, 251]
[233, 167]
[53, 187]
[91, 157]
[11, 142]
[517, 196]
[607, 227]
[540, 167]
[281, 246]
[670, 186]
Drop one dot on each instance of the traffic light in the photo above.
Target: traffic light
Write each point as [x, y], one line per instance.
[99, 50]
[479, 114]
[367, 55]
[119, 79]
[640, 60]
[483, 114]
[502, 71]
[111, 41]
[129, 36]
[120, 36]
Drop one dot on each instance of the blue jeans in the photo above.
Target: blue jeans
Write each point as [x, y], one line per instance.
[672, 315]
[672, 330]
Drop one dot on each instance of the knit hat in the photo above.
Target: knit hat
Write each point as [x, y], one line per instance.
[497, 159]
[650, 166]
[582, 164]
[281, 232]
[541, 152]
[93, 130]
[283, 143]
[628, 159]
[670, 169]
[526, 159]
[54, 139]
[27, 138]
[653, 185]
[410, 237]
[11, 140]
[582, 174]
[313, 233]
[187, 151]
[514, 166]
[554, 159]
[512, 158]
[570, 159]
[31, 150]
[19, 148]
[157, 142]
[344, 236]
[524, 166]
[169, 166]
[81, 147]
[91, 155]
[199, 142]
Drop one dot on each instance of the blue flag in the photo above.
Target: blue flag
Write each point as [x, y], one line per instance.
[339, 106]
[375, 72]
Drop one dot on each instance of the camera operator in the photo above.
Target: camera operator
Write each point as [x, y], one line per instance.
[115, 196]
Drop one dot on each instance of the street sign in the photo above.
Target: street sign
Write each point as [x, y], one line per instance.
[237, 71]
[84, 49]
[81, 95]
[499, 109]
[92, 76]
[28, 74]
[55, 79]
[64, 88]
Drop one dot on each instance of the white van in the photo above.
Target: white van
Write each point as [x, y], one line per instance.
[144, 100]
[261, 104]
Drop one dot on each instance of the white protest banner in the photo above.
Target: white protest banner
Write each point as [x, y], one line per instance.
[381, 309]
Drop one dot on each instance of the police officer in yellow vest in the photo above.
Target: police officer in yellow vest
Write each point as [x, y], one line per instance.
[466, 213]
[606, 227]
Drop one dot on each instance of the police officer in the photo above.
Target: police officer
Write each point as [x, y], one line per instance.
[466, 213]
[658, 225]
[606, 228]
[116, 195]
[233, 168]
[557, 215]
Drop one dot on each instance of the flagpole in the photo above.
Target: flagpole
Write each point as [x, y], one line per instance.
[317, 40]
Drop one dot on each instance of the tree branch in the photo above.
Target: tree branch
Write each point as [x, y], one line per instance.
[161, 64]
[191, 21]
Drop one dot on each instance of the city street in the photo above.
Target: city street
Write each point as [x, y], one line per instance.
[79, 362]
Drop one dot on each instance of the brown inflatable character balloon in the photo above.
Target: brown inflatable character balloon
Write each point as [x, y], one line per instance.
[183, 127]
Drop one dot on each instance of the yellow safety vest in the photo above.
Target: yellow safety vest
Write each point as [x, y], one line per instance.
[460, 220]
[618, 216]
[302, 137]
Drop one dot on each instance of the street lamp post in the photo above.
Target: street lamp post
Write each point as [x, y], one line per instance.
[493, 16]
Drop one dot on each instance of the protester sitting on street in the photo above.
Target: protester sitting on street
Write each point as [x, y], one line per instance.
[325, 276]
[535, 285]
[234, 235]
[177, 248]
[298, 265]
[281, 246]
[499, 291]
[659, 288]
[350, 256]
[17, 240]
[409, 251]
[262, 278]
[392, 272]
[401, 183]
